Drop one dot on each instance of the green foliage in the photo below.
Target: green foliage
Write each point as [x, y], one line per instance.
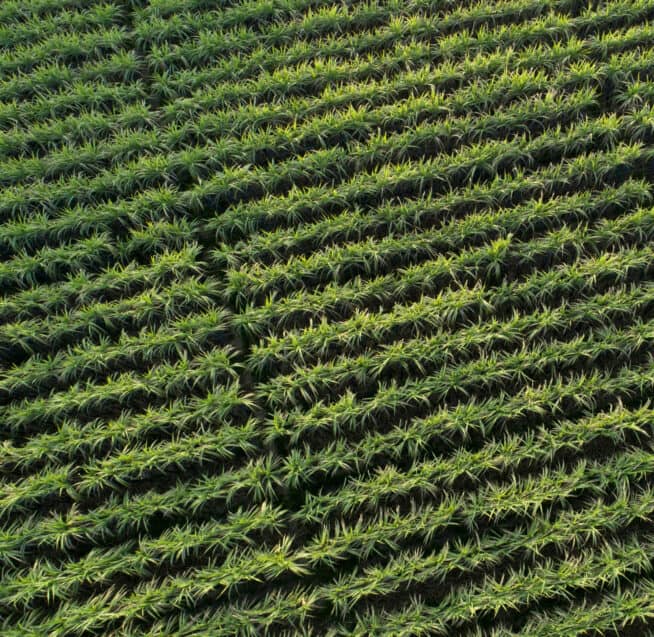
[326, 317]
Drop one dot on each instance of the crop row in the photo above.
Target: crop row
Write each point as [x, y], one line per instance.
[403, 570]
[360, 540]
[148, 208]
[312, 78]
[69, 49]
[169, 21]
[447, 309]
[36, 28]
[586, 44]
[480, 161]
[83, 158]
[602, 567]
[119, 67]
[78, 98]
[315, 232]
[325, 317]
[622, 61]
[261, 146]
[370, 28]
[372, 257]
[389, 399]
[21, 339]
[82, 401]
[615, 611]
[45, 453]
[486, 265]
[186, 336]
[463, 45]
[425, 354]
[248, 121]
[265, 478]
[70, 132]
[51, 445]
[50, 264]
[111, 284]
[89, 256]
[18, 10]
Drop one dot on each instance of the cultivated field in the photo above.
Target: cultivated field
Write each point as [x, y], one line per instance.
[326, 318]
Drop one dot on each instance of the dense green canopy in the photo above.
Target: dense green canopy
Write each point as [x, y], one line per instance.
[326, 318]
